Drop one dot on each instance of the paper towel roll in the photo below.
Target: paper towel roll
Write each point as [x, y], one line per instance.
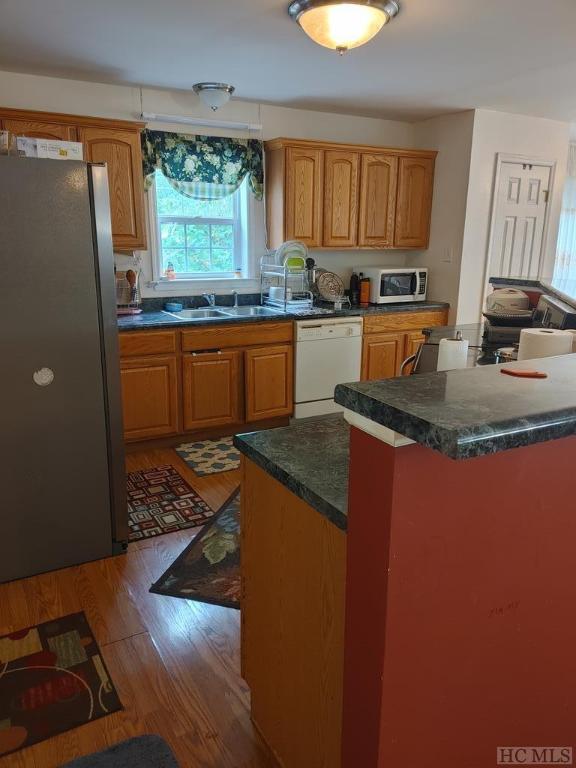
[543, 342]
[452, 353]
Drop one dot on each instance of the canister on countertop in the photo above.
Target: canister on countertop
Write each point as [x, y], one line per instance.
[364, 290]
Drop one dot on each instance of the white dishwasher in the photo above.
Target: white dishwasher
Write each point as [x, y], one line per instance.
[328, 352]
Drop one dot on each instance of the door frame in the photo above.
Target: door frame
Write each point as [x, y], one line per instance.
[504, 157]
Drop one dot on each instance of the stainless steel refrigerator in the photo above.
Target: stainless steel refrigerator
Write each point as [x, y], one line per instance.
[62, 477]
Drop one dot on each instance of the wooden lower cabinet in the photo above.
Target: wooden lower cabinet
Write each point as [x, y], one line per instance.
[268, 382]
[211, 389]
[413, 341]
[391, 339]
[382, 355]
[293, 609]
[150, 397]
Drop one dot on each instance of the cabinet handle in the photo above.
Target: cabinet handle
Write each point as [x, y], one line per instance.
[207, 352]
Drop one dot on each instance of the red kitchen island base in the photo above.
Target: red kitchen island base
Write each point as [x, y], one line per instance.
[461, 603]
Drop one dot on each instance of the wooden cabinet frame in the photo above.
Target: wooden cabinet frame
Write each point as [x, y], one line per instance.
[390, 339]
[126, 179]
[308, 200]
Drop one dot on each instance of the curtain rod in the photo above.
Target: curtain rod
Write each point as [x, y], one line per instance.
[153, 117]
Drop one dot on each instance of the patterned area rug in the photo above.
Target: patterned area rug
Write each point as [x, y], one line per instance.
[210, 456]
[52, 679]
[161, 501]
[209, 568]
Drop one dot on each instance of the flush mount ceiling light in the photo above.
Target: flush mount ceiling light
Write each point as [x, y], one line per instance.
[342, 25]
[214, 95]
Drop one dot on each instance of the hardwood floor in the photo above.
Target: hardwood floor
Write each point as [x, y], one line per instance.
[175, 663]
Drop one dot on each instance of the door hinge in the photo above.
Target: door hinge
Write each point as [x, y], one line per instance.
[546, 195]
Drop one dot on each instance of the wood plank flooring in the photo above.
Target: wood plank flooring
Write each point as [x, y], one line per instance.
[175, 663]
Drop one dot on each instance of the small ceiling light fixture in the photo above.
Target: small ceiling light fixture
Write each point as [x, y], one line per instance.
[342, 25]
[214, 95]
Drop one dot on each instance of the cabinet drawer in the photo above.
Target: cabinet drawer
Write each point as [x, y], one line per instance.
[404, 321]
[247, 335]
[147, 343]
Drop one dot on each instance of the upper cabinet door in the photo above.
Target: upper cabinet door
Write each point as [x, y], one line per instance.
[120, 150]
[378, 183]
[35, 129]
[415, 184]
[340, 199]
[304, 188]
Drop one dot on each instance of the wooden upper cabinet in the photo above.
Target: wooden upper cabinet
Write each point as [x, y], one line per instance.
[268, 382]
[347, 196]
[378, 201]
[36, 129]
[212, 389]
[415, 185]
[340, 199]
[120, 150]
[304, 192]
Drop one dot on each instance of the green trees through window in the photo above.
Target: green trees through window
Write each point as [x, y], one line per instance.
[196, 236]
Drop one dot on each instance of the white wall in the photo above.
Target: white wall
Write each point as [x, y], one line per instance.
[124, 102]
[500, 132]
[451, 135]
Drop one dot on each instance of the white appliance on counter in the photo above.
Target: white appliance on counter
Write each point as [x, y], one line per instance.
[328, 352]
[389, 286]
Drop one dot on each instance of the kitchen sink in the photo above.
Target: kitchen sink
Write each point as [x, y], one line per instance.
[250, 311]
[196, 314]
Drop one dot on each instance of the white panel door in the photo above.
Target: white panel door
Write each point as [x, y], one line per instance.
[520, 215]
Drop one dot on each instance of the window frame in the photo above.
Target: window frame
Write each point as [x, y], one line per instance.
[240, 224]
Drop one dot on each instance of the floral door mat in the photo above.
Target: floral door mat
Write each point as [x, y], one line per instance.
[210, 456]
[161, 501]
[208, 570]
[52, 679]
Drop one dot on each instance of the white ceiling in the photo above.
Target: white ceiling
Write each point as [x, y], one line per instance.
[437, 56]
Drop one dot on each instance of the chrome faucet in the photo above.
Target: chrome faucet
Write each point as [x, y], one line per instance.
[235, 294]
[210, 298]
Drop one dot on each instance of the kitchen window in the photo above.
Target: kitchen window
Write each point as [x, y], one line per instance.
[198, 239]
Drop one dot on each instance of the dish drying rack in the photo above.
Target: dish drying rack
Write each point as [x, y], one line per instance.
[287, 278]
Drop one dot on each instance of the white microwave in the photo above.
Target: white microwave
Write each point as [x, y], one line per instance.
[388, 286]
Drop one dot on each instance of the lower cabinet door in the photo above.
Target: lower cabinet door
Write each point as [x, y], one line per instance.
[149, 397]
[269, 382]
[382, 355]
[413, 341]
[212, 389]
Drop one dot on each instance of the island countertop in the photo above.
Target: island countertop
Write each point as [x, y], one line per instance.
[310, 458]
[472, 412]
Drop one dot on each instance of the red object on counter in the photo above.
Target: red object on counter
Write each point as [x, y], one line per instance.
[524, 374]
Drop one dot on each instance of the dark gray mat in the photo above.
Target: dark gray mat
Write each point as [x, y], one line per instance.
[141, 752]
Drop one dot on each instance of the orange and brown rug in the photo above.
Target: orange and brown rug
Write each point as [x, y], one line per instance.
[52, 679]
[161, 501]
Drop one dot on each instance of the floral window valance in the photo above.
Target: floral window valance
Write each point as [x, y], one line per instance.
[203, 167]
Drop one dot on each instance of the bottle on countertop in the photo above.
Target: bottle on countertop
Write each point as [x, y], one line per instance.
[364, 290]
[354, 290]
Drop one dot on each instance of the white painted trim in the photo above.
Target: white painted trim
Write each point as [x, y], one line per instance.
[197, 121]
[502, 157]
[384, 434]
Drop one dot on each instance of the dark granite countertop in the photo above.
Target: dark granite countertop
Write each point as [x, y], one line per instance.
[475, 411]
[310, 458]
[159, 319]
